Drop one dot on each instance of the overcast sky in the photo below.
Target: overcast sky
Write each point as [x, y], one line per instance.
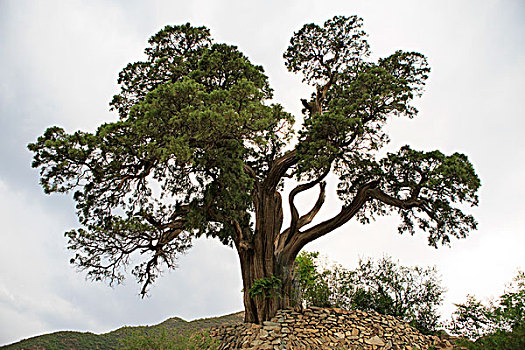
[59, 62]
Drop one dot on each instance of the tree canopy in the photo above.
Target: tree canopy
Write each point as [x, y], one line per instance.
[198, 149]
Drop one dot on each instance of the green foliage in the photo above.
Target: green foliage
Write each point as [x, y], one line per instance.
[164, 341]
[499, 340]
[498, 324]
[313, 290]
[317, 52]
[504, 340]
[321, 286]
[267, 287]
[408, 293]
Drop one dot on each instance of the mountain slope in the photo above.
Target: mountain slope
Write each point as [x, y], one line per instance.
[69, 340]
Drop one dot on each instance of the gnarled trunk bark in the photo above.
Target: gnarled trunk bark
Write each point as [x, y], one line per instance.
[268, 255]
[263, 307]
[260, 262]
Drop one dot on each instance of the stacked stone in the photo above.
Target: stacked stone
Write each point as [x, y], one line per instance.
[318, 328]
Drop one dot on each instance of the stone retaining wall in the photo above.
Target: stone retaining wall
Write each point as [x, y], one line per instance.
[319, 328]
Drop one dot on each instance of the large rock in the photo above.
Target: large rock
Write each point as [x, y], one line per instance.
[375, 340]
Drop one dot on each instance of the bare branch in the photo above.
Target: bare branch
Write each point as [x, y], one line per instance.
[149, 275]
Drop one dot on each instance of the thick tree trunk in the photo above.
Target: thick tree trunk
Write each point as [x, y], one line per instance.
[263, 307]
[268, 255]
[259, 262]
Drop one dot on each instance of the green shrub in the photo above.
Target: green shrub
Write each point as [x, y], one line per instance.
[499, 340]
[496, 325]
[409, 293]
[164, 341]
[267, 287]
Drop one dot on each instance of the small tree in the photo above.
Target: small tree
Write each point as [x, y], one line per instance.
[199, 151]
[498, 324]
[408, 293]
[320, 285]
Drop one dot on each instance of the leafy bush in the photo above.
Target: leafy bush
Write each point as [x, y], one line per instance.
[321, 286]
[500, 340]
[498, 324]
[267, 287]
[409, 293]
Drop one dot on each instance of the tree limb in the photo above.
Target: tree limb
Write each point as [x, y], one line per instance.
[299, 240]
[249, 170]
[317, 107]
[294, 225]
[365, 192]
[298, 222]
[149, 275]
[278, 170]
[308, 217]
[376, 193]
[242, 242]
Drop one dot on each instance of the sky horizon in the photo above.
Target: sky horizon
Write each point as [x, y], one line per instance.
[59, 65]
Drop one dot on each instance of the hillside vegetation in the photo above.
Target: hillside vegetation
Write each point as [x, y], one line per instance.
[125, 337]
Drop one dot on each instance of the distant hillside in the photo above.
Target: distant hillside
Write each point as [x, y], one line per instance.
[68, 340]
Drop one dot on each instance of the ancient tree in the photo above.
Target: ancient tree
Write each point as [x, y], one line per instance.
[198, 150]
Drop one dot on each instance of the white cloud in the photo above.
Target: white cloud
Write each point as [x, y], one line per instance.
[46, 294]
[28, 261]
